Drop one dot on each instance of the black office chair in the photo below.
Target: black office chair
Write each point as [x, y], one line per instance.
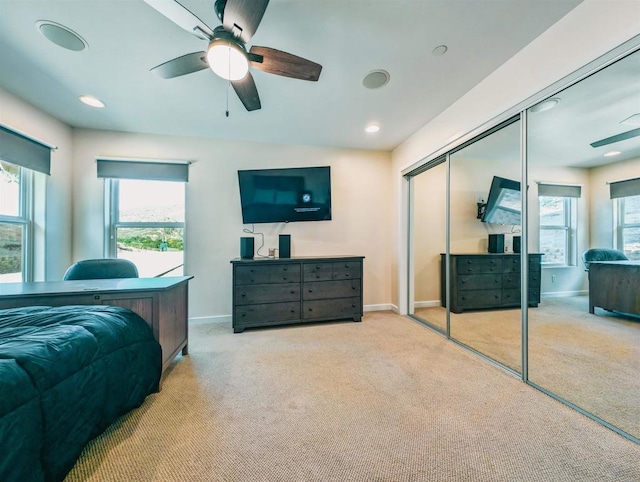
[101, 269]
[602, 254]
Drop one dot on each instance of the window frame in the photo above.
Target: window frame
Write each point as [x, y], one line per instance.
[113, 223]
[570, 227]
[24, 219]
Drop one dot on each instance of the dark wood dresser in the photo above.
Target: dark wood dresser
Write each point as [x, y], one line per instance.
[489, 280]
[269, 292]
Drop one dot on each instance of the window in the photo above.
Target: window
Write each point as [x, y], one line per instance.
[628, 232]
[557, 230]
[146, 225]
[15, 223]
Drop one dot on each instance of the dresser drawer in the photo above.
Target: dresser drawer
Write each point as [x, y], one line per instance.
[479, 298]
[250, 294]
[512, 264]
[347, 270]
[341, 308]
[478, 282]
[317, 271]
[284, 273]
[512, 297]
[265, 313]
[247, 275]
[472, 265]
[331, 289]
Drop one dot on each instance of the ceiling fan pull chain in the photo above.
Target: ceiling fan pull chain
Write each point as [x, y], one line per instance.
[228, 87]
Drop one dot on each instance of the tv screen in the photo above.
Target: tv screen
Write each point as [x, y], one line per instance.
[503, 202]
[285, 195]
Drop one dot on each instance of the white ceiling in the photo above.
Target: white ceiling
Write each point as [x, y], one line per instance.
[588, 111]
[348, 37]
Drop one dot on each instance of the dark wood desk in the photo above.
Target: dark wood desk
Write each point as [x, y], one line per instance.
[615, 286]
[162, 302]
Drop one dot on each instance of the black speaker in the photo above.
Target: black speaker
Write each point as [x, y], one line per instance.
[284, 246]
[516, 244]
[246, 248]
[496, 243]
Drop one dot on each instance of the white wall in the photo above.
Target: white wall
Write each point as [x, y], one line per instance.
[361, 207]
[589, 31]
[53, 244]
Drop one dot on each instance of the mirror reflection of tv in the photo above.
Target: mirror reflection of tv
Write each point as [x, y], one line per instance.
[503, 202]
[285, 195]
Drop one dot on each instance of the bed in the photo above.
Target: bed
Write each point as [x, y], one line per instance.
[615, 286]
[66, 373]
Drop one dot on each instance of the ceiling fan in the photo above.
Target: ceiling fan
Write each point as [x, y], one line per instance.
[227, 54]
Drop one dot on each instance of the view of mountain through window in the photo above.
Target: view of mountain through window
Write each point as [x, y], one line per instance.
[149, 226]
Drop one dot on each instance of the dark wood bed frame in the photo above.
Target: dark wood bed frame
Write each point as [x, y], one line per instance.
[615, 286]
[161, 302]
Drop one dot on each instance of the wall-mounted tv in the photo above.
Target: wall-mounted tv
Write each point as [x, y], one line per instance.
[285, 195]
[503, 202]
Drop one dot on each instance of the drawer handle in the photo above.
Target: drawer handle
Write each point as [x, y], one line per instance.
[284, 269]
[353, 305]
[317, 276]
[252, 279]
[243, 294]
[495, 296]
[463, 281]
[317, 266]
[346, 265]
[310, 309]
[243, 314]
[353, 287]
[310, 290]
[292, 292]
[284, 278]
[346, 275]
[293, 311]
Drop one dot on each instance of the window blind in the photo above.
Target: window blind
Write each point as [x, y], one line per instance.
[629, 187]
[145, 170]
[559, 190]
[24, 152]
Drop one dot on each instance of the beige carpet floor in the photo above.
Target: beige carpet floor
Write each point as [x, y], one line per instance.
[592, 361]
[381, 400]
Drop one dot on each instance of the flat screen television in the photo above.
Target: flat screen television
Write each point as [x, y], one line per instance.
[503, 202]
[285, 195]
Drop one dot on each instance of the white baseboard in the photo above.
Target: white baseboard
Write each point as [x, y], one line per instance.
[563, 294]
[427, 304]
[380, 307]
[202, 320]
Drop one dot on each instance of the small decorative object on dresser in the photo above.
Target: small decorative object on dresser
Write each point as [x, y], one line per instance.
[269, 292]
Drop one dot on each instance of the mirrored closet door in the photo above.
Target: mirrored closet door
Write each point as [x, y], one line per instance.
[485, 217]
[584, 200]
[429, 227]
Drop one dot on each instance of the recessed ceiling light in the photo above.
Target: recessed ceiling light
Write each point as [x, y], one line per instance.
[612, 153]
[61, 36]
[372, 128]
[376, 79]
[439, 50]
[545, 105]
[91, 100]
[634, 120]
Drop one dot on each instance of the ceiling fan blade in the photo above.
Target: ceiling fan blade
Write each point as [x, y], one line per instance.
[617, 138]
[282, 63]
[242, 17]
[182, 17]
[248, 92]
[183, 65]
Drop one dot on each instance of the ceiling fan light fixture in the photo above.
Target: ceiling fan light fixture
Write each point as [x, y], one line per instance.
[372, 128]
[612, 153]
[227, 59]
[545, 105]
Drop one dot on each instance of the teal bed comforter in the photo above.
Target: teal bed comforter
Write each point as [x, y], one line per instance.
[66, 373]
